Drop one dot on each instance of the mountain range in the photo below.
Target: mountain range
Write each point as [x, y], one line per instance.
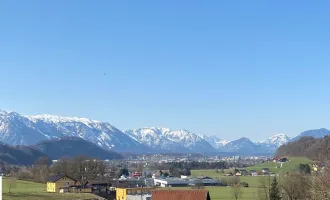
[17, 129]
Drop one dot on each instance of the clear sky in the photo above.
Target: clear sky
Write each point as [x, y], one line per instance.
[230, 68]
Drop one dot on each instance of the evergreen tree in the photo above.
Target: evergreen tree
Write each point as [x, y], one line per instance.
[123, 171]
[274, 193]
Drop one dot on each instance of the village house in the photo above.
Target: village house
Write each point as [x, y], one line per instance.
[265, 171]
[254, 173]
[60, 181]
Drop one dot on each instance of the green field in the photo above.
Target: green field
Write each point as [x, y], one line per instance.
[226, 193]
[36, 191]
[289, 166]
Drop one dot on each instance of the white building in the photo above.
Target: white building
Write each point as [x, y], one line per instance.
[180, 182]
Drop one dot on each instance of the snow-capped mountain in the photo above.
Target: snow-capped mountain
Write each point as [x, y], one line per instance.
[215, 141]
[185, 141]
[16, 129]
[170, 140]
[271, 144]
[242, 145]
[245, 145]
[222, 142]
[277, 140]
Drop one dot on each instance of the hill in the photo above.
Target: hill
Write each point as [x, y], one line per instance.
[315, 133]
[74, 146]
[306, 146]
[19, 155]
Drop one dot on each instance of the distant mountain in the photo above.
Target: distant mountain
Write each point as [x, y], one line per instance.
[16, 129]
[272, 143]
[19, 155]
[215, 141]
[277, 139]
[167, 140]
[246, 146]
[316, 133]
[242, 145]
[72, 147]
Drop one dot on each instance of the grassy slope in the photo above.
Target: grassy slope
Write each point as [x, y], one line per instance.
[35, 191]
[290, 166]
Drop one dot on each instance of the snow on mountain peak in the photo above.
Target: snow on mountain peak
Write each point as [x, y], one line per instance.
[170, 140]
[59, 119]
[2, 112]
[14, 128]
[222, 142]
[277, 139]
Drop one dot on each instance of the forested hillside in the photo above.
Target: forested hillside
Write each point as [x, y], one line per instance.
[309, 147]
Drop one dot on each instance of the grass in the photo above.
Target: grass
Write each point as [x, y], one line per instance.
[289, 166]
[210, 173]
[36, 191]
[226, 193]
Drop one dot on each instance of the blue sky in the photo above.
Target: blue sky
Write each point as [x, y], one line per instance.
[230, 68]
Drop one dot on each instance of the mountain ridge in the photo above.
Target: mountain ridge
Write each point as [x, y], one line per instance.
[16, 129]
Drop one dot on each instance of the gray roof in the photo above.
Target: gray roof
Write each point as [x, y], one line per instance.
[56, 177]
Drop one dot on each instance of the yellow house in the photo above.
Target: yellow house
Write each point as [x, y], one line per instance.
[122, 193]
[54, 183]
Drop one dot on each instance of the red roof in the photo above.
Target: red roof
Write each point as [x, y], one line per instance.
[180, 195]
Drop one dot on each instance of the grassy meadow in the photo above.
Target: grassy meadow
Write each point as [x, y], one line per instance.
[35, 191]
[289, 166]
[252, 192]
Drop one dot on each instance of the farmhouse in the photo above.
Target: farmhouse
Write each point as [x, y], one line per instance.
[265, 171]
[59, 181]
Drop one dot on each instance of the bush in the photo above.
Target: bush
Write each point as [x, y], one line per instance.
[244, 184]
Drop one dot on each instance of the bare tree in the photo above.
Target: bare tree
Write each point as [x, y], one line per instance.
[233, 180]
[237, 192]
[296, 187]
[40, 169]
[264, 187]
[199, 184]
[11, 184]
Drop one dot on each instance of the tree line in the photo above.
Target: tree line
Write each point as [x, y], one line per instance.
[194, 165]
[305, 147]
[80, 168]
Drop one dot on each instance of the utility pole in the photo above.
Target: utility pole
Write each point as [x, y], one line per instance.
[1, 174]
